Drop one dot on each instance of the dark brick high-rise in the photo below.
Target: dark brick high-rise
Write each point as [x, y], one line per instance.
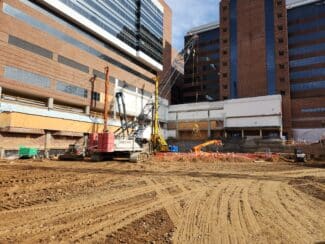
[254, 51]
[306, 31]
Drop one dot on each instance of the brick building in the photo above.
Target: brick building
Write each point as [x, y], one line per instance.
[53, 55]
[268, 48]
[306, 32]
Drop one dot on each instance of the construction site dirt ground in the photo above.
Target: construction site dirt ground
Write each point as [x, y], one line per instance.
[161, 202]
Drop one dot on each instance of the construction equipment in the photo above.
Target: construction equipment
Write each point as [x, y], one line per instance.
[299, 155]
[198, 148]
[128, 140]
[125, 142]
[74, 152]
[158, 141]
[162, 89]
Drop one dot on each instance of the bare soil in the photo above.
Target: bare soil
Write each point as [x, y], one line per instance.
[161, 202]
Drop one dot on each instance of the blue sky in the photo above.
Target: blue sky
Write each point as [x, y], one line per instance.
[191, 13]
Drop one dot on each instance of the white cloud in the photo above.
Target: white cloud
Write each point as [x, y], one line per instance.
[191, 13]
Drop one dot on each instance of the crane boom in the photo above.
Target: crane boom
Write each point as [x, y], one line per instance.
[106, 98]
[198, 148]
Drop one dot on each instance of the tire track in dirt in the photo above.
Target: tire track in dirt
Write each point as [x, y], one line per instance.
[61, 211]
[312, 220]
[279, 218]
[204, 215]
[62, 215]
[241, 203]
[99, 232]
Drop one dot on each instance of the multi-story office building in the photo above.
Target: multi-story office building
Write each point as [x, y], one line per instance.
[201, 68]
[306, 31]
[53, 58]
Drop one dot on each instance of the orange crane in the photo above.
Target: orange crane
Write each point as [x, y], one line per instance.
[198, 148]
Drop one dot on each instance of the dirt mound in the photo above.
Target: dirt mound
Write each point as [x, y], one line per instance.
[155, 227]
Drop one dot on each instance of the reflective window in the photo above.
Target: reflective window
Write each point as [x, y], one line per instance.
[308, 86]
[306, 17]
[26, 77]
[270, 47]
[313, 110]
[73, 64]
[233, 49]
[307, 73]
[116, 17]
[311, 10]
[307, 26]
[307, 49]
[209, 35]
[121, 19]
[307, 61]
[30, 47]
[306, 37]
[209, 57]
[151, 30]
[71, 89]
[212, 47]
[64, 37]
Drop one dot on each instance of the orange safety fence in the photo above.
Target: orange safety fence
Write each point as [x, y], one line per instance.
[212, 157]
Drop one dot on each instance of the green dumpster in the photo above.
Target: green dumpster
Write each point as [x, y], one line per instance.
[27, 152]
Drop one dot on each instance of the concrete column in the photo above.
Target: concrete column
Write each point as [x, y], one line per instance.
[87, 110]
[177, 134]
[115, 89]
[226, 135]
[209, 125]
[85, 143]
[2, 153]
[50, 103]
[0, 92]
[242, 134]
[261, 133]
[47, 144]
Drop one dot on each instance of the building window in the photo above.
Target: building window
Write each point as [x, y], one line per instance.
[225, 87]
[225, 98]
[224, 52]
[224, 29]
[279, 15]
[281, 66]
[280, 40]
[282, 93]
[225, 41]
[280, 27]
[224, 18]
[313, 110]
[224, 63]
[224, 7]
[73, 64]
[281, 53]
[26, 77]
[30, 47]
[71, 89]
[282, 79]
[95, 96]
[224, 75]
[18, 14]
[279, 3]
